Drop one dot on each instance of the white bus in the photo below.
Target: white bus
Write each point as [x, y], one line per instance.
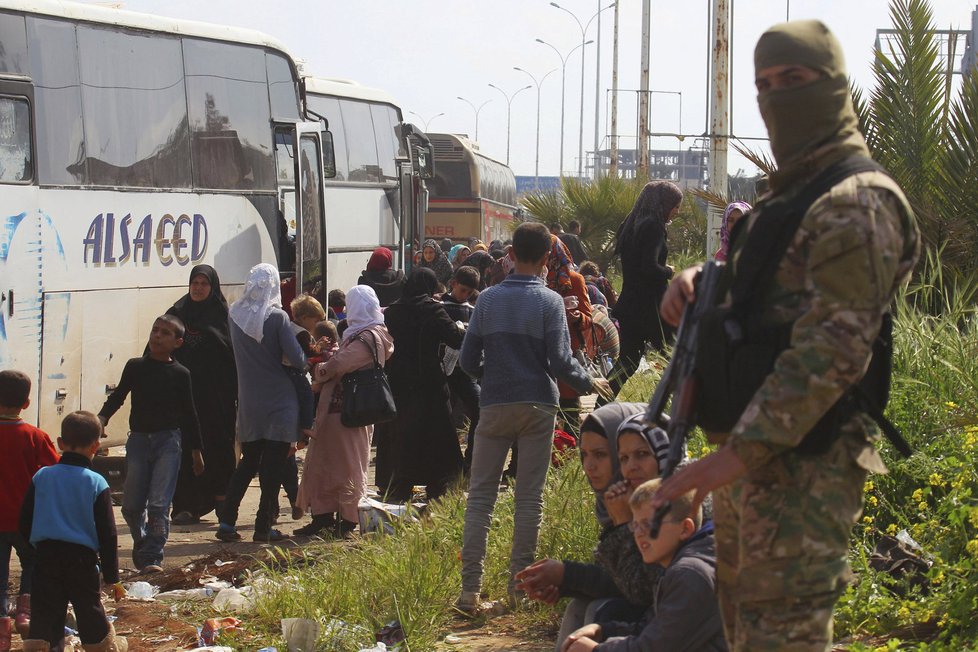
[133, 147]
[375, 198]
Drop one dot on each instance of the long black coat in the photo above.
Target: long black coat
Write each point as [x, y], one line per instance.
[426, 447]
[644, 273]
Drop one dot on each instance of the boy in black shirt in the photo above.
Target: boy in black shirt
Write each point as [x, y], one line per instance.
[162, 420]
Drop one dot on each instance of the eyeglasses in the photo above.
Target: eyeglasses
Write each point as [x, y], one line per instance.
[644, 526]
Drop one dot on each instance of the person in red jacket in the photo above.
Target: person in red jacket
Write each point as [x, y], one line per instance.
[25, 450]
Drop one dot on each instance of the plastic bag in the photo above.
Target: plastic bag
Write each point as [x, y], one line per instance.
[300, 634]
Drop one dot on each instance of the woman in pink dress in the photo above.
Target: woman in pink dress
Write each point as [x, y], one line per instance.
[334, 477]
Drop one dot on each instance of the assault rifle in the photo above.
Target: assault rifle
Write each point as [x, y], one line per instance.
[679, 381]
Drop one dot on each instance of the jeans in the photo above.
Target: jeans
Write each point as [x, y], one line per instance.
[585, 611]
[25, 553]
[532, 425]
[266, 459]
[152, 467]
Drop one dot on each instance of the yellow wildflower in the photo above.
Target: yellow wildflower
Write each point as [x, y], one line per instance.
[903, 613]
[869, 486]
[973, 516]
[704, 451]
[937, 579]
[868, 520]
[951, 405]
[891, 529]
[922, 506]
[972, 547]
[936, 480]
[918, 495]
[872, 501]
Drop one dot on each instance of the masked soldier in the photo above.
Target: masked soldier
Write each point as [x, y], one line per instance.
[788, 477]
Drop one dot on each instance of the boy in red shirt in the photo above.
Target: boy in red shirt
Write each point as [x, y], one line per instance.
[25, 450]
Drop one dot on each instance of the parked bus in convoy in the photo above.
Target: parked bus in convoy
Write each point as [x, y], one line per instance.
[470, 195]
[133, 147]
[374, 199]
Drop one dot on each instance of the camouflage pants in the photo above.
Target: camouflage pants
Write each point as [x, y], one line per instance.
[782, 536]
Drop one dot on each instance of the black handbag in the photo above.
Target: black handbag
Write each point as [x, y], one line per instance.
[367, 396]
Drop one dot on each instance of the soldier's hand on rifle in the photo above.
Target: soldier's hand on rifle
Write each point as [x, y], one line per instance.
[680, 291]
[704, 475]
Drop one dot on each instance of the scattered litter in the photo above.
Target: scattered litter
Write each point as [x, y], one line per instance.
[376, 516]
[215, 648]
[300, 634]
[112, 619]
[391, 634]
[211, 629]
[268, 649]
[143, 591]
[379, 647]
[231, 599]
[904, 537]
[220, 563]
[159, 641]
[452, 639]
[202, 593]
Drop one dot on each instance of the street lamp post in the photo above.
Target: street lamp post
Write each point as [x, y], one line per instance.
[428, 121]
[536, 171]
[509, 111]
[477, 111]
[583, 27]
[563, 71]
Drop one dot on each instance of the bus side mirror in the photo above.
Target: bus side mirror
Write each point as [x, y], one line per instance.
[426, 161]
[329, 157]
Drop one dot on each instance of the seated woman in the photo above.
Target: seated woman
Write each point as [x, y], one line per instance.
[618, 453]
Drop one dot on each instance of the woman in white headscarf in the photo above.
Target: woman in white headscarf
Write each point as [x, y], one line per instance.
[334, 476]
[268, 410]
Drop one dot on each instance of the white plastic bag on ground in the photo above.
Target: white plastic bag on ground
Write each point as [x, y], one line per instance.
[300, 634]
[376, 516]
[141, 591]
[233, 599]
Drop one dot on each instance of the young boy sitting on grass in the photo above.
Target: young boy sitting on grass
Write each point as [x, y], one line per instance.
[162, 421]
[67, 517]
[685, 615]
[26, 449]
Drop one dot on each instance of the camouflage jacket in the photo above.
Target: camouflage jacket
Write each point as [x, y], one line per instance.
[854, 248]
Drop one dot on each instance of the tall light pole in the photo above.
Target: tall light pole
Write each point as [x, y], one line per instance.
[583, 27]
[476, 113]
[536, 171]
[563, 71]
[509, 111]
[428, 121]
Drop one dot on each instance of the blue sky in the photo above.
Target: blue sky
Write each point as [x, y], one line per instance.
[428, 52]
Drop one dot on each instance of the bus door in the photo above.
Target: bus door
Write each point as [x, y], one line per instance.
[23, 232]
[411, 228]
[310, 235]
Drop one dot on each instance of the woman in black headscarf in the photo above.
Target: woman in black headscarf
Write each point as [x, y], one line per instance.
[641, 243]
[207, 353]
[483, 262]
[425, 448]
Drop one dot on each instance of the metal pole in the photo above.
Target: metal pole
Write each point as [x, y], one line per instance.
[477, 112]
[720, 103]
[643, 94]
[597, 93]
[509, 112]
[563, 77]
[539, 84]
[580, 131]
[614, 98]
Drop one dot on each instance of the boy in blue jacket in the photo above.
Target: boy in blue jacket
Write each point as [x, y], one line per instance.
[685, 615]
[67, 517]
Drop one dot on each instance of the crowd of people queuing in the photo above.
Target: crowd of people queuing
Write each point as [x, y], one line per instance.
[515, 332]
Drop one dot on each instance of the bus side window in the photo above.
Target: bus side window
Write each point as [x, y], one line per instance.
[285, 172]
[16, 156]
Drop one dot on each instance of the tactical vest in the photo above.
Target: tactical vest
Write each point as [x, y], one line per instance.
[737, 351]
